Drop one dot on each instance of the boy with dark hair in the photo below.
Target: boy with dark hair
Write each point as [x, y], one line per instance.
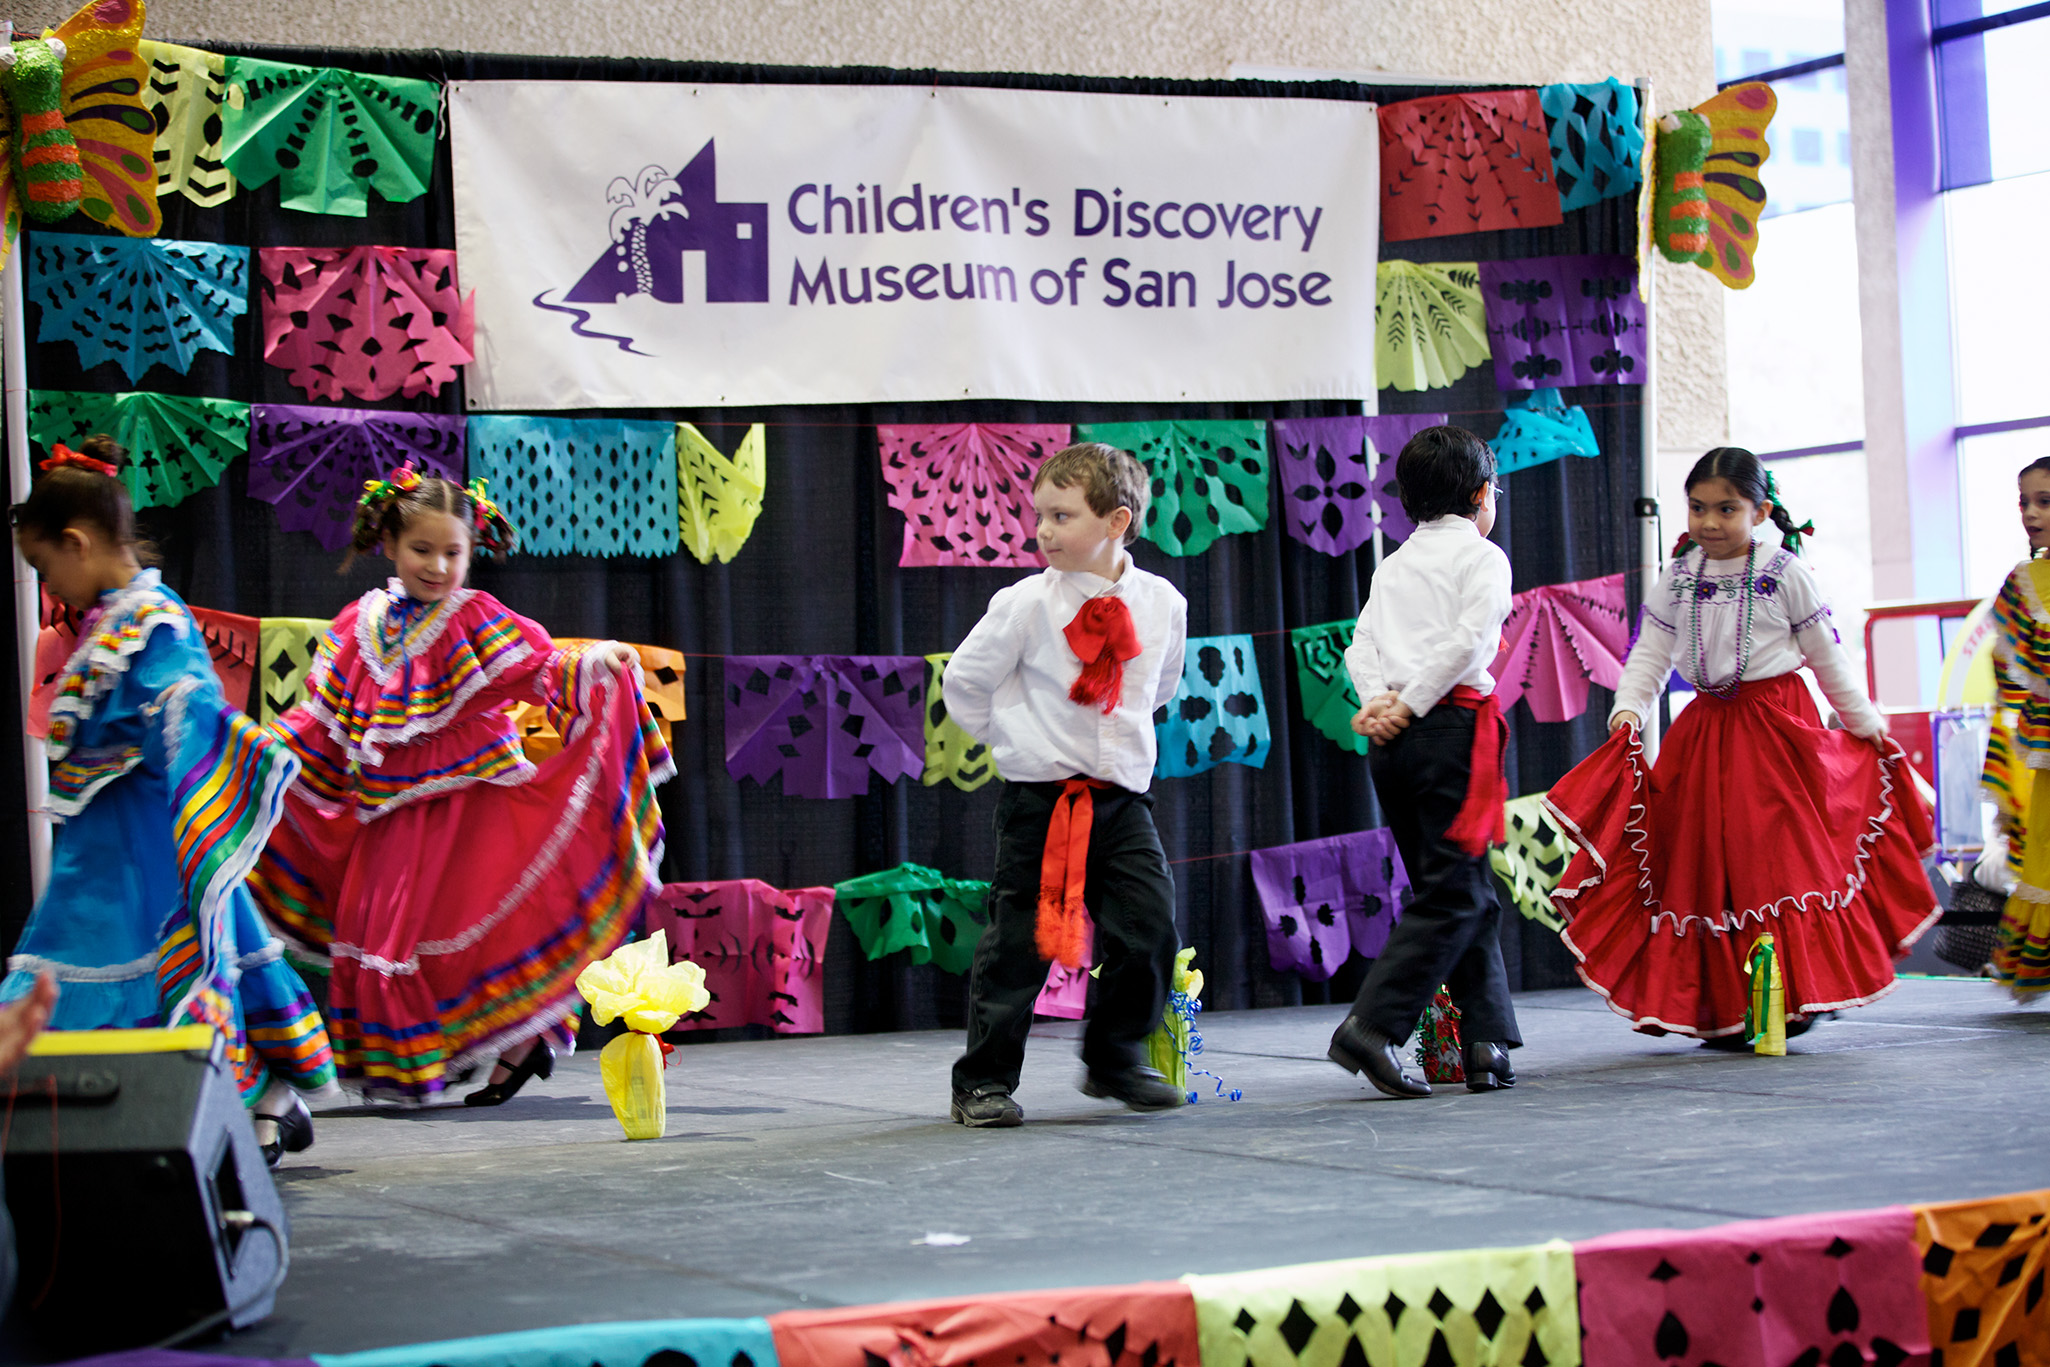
[1060, 679]
[1419, 657]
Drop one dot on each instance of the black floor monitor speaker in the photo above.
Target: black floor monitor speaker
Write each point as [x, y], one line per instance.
[140, 1198]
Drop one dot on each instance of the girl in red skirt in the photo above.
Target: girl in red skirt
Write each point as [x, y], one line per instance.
[453, 888]
[1757, 819]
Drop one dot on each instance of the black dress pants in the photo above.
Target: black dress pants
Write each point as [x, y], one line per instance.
[1130, 897]
[1449, 933]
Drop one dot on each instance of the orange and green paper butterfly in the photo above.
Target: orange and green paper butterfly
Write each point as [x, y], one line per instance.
[104, 80]
[1737, 120]
[1709, 198]
[73, 131]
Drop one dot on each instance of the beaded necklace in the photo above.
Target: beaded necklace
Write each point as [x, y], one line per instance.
[1699, 665]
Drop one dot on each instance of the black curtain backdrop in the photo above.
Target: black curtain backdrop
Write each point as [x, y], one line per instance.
[820, 575]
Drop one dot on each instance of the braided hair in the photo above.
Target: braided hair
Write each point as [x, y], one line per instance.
[1752, 481]
[82, 486]
[389, 504]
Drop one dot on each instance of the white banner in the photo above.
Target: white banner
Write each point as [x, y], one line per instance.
[668, 245]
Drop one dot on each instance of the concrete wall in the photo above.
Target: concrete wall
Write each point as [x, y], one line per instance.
[1494, 40]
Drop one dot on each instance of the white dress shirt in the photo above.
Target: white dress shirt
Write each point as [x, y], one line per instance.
[1007, 684]
[1790, 627]
[1434, 616]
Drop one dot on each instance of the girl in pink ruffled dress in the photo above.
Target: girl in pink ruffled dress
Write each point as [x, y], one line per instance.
[453, 888]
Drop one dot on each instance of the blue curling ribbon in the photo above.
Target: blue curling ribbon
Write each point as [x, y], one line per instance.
[1187, 1007]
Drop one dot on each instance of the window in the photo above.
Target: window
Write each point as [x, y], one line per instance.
[1795, 356]
[1999, 297]
[1990, 55]
[1780, 43]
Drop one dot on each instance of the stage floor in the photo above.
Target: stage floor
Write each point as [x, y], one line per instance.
[809, 1172]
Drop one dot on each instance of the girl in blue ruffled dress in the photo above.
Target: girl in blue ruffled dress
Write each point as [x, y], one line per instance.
[166, 795]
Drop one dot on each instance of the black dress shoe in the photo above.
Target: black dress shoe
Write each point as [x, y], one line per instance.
[1139, 1087]
[539, 1062]
[1487, 1067]
[294, 1133]
[1358, 1049]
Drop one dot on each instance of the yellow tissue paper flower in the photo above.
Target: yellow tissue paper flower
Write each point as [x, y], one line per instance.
[639, 985]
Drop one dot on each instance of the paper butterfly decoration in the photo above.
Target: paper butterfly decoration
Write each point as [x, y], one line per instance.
[1209, 477]
[186, 90]
[1983, 1267]
[965, 490]
[1329, 700]
[580, 486]
[720, 496]
[1710, 198]
[368, 321]
[1430, 325]
[90, 144]
[1387, 434]
[138, 302]
[285, 647]
[1533, 859]
[1217, 714]
[1326, 900]
[332, 134]
[1597, 141]
[763, 951]
[1538, 428]
[1151, 1324]
[176, 445]
[825, 722]
[1564, 320]
[951, 754]
[1840, 1287]
[1465, 1309]
[662, 672]
[937, 918]
[1465, 164]
[312, 462]
[1559, 638]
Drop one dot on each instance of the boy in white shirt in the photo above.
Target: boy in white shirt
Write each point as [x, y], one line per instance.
[1060, 679]
[1419, 657]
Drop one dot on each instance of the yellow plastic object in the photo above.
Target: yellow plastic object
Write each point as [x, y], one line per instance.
[631, 1067]
[176, 1039]
[639, 985]
[1767, 1021]
[1967, 676]
[1167, 1048]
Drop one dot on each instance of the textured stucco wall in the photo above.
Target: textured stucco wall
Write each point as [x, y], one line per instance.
[1495, 40]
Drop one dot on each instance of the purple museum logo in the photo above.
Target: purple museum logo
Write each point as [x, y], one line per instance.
[656, 218]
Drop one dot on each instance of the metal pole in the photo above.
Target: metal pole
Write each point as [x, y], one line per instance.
[28, 614]
[1649, 551]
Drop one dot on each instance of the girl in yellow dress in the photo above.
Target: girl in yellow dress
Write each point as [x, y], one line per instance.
[2018, 757]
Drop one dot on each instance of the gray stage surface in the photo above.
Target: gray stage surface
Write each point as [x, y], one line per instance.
[809, 1172]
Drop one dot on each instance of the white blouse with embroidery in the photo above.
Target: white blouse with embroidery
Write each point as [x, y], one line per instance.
[1698, 599]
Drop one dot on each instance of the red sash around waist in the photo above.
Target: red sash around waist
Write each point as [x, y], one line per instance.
[1481, 821]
